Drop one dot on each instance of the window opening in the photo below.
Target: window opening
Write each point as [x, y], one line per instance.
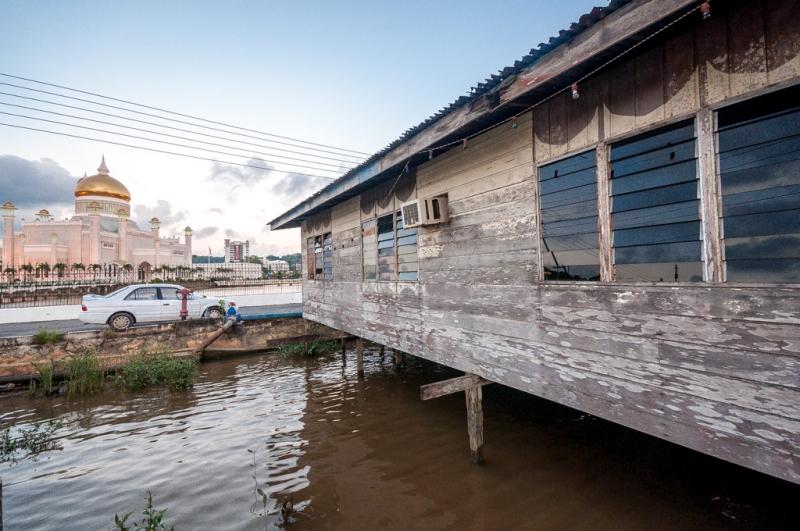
[568, 196]
[759, 147]
[389, 250]
[310, 257]
[655, 207]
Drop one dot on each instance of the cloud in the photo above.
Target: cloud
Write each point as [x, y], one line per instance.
[295, 186]
[289, 186]
[205, 232]
[170, 220]
[230, 233]
[35, 184]
[236, 176]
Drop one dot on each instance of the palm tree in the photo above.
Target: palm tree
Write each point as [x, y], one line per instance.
[42, 269]
[60, 267]
[79, 267]
[96, 268]
[28, 270]
[126, 269]
[10, 272]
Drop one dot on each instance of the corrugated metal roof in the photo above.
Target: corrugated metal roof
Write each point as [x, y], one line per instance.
[585, 22]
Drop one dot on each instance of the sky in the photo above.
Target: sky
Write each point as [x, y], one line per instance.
[352, 75]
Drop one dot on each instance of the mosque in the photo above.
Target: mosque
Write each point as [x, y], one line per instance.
[101, 232]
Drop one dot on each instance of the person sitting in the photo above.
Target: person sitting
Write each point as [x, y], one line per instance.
[233, 312]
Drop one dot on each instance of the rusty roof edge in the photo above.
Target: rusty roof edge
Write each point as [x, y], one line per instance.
[573, 51]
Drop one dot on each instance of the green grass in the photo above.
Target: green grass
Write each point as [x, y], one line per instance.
[145, 369]
[45, 336]
[46, 371]
[85, 374]
[317, 347]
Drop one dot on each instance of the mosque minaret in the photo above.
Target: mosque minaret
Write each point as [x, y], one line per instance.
[101, 232]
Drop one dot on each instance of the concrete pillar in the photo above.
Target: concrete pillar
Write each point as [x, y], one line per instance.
[227, 250]
[8, 236]
[53, 250]
[94, 234]
[157, 258]
[21, 254]
[122, 231]
[187, 233]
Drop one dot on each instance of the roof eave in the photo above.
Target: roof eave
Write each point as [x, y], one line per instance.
[613, 30]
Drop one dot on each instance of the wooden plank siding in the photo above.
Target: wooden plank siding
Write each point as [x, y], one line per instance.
[711, 366]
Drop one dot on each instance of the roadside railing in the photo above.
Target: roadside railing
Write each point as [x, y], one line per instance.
[70, 294]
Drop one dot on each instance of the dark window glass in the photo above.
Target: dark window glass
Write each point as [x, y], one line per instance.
[407, 257]
[655, 207]
[759, 159]
[568, 192]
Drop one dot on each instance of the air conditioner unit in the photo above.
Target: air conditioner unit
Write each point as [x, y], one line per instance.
[428, 211]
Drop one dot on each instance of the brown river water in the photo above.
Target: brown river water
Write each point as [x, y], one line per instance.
[365, 455]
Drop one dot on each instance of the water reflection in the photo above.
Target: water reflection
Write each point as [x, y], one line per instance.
[367, 454]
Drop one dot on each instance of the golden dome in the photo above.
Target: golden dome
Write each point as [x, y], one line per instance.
[102, 185]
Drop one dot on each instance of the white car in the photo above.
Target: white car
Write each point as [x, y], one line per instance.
[145, 303]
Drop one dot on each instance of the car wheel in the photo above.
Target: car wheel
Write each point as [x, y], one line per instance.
[214, 313]
[120, 322]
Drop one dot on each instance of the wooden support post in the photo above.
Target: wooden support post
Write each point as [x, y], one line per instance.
[471, 385]
[344, 345]
[1, 503]
[383, 349]
[475, 423]
[398, 357]
[360, 357]
[306, 330]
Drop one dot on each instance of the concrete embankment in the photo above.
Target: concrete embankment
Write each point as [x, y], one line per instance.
[16, 354]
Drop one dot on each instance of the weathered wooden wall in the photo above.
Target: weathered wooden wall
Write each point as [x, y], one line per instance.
[733, 55]
[711, 367]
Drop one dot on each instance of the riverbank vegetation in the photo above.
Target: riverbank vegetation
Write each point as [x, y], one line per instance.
[45, 336]
[148, 368]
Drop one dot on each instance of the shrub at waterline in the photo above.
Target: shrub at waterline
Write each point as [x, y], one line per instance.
[150, 522]
[46, 371]
[85, 373]
[153, 368]
[26, 443]
[45, 336]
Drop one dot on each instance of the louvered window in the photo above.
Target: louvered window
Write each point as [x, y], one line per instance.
[568, 192]
[759, 145]
[655, 207]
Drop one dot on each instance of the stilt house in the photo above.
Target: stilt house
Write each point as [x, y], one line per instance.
[612, 223]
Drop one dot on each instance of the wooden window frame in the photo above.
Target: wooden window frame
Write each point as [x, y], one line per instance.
[375, 251]
[312, 271]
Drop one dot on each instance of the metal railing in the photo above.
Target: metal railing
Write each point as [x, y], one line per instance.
[52, 294]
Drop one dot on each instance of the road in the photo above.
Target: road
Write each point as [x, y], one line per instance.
[74, 325]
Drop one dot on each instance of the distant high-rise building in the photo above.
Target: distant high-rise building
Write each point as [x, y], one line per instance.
[236, 251]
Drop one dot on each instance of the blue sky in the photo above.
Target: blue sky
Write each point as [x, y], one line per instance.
[348, 74]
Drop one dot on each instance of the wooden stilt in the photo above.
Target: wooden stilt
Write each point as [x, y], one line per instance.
[398, 357]
[383, 349]
[1, 503]
[475, 422]
[344, 345]
[360, 356]
[472, 386]
[306, 329]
